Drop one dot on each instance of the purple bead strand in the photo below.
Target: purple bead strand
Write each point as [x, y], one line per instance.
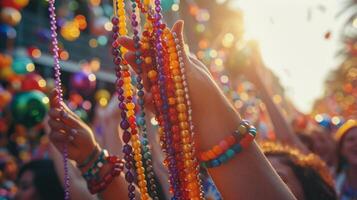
[58, 85]
[174, 174]
[124, 124]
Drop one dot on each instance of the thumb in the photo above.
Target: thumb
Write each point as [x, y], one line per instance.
[177, 29]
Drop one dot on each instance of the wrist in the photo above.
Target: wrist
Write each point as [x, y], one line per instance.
[87, 162]
[217, 126]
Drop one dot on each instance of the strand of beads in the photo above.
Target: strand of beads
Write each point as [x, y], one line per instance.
[165, 118]
[58, 86]
[141, 120]
[173, 113]
[147, 158]
[124, 124]
[190, 164]
[186, 95]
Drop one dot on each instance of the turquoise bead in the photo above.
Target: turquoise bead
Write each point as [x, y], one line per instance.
[223, 158]
[140, 121]
[138, 61]
[145, 141]
[230, 153]
[147, 155]
[253, 131]
[145, 148]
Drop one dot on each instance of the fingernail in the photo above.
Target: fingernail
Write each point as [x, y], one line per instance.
[74, 131]
[71, 138]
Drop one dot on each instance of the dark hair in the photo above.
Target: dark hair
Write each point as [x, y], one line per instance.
[312, 173]
[313, 185]
[45, 179]
[306, 140]
[341, 161]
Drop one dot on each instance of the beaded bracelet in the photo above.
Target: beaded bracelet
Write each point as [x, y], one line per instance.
[93, 172]
[230, 146]
[117, 167]
[90, 157]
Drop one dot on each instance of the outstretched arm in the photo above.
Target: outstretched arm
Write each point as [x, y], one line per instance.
[249, 175]
[261, 77]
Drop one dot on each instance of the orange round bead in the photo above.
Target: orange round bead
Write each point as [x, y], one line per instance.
[185, 133]
[148, 60]
[183, 125]
[137, 157]
[182, 117]
[178, 86]
[175, 64]
[180, 92]
[181, 107]
[180, 99]
[175, 72]
[217, 150]
[152, 74]
[185, 140]
[211, 155]
[203, 156]
[171, 101]
[173, 56]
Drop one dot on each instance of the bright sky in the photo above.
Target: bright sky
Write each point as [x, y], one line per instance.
[291, 36]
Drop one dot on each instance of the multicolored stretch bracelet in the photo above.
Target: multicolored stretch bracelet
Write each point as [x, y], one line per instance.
[117, 167]
[93, 172]
[229, 147]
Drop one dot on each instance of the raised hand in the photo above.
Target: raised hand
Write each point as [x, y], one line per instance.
[209, 105]
[68, 129]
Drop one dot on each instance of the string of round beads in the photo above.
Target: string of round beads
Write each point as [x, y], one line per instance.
[147, 158]
[176, 126]
[141, 120]
[193, 185]
[170, 158]
[58, 85]
[124, 124]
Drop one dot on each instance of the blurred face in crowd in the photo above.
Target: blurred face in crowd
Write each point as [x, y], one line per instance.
[349, 147]
[11, 170]
[26, 188]
[288, 176]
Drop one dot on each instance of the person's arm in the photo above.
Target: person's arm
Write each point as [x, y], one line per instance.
[78, 185]
[80, 144]
[282, 128]
[249, 175]
[78, 188]
[262, 80]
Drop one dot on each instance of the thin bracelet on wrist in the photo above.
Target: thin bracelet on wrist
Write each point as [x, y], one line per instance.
[90, 158]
